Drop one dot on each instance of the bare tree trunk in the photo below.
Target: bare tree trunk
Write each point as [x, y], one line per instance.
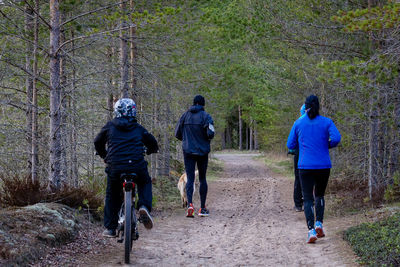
[247, 137]
[34, 147]
[229, 136]
[394, 153]
[223, 143]
[255, 135]
[124, 55]
[240, 129]
[373, 151]
[251, 141]
[63, 110]
[167, 150]
[28, 80]
[73, 133]
[55, 175]
[133, 56]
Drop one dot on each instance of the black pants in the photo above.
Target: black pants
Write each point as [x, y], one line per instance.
[313, 183]
[190, 165]
[297, 194]
[114, 193]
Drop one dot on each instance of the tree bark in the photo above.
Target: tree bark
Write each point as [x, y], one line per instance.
[251, 141]
[63, 110]
[240, 129]
[29, 79]
[223, 136]
[124, 55]
[373, 150]
[34, 132]
[73, 133]
[55, 174]
[255, 135]
[133, 56]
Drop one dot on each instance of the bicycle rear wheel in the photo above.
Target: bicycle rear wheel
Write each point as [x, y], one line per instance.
[128, 226]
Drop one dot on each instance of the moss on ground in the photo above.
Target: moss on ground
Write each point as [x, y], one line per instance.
[378, 243]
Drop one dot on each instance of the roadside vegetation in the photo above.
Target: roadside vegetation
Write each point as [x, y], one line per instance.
[376, 241]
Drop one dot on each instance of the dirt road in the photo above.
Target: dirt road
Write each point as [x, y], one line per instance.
[251, 223]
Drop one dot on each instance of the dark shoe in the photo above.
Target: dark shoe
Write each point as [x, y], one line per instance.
[203, 212]
[190, 211]
[109, 233]
[298, 209]
[145, 217]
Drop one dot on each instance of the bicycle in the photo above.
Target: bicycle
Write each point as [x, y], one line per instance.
[127, 229]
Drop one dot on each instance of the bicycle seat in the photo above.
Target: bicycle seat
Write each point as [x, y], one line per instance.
[128, 176]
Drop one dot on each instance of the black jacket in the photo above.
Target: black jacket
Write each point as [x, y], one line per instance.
[126, 141]
[195, 129]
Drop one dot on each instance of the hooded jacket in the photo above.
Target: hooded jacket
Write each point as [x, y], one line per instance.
[313, 138]
[195, 129]
[122, 141]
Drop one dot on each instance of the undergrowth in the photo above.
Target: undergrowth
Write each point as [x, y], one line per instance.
[377, 244]
[22, 191]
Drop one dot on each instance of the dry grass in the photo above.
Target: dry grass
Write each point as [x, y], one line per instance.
[20, 191]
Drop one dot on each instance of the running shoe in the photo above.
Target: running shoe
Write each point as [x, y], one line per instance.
[298, 209]
[312, 236]
[190, 211]
[110, 233]
[203, 212]
[145, 217]
[319, 229]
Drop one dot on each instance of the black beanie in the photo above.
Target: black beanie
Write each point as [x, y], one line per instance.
[199, 100]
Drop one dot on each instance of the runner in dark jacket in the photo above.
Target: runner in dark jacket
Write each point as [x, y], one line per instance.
[121, 143]
[196, 129]
[297, 194]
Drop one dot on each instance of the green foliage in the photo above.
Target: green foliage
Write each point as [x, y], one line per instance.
[392, 192]
[370, 19]
[377, 244]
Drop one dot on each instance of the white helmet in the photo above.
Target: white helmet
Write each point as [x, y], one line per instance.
[125, 107]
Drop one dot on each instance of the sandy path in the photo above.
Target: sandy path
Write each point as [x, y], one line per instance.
[251, 223]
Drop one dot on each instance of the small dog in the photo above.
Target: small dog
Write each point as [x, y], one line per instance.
[182, 187]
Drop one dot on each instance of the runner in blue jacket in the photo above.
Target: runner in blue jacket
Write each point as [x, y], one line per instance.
[314, 135]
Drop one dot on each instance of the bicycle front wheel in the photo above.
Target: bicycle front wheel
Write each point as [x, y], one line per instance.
[128, 226]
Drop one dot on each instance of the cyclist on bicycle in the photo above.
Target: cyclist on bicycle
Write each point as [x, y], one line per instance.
[121, 143]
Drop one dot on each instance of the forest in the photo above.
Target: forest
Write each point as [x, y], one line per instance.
[63, 64]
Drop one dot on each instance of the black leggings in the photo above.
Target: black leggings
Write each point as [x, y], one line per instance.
[190, 165]
[313, 184]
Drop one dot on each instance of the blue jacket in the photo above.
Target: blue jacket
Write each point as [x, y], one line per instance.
[313, 138]
[195, 129]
